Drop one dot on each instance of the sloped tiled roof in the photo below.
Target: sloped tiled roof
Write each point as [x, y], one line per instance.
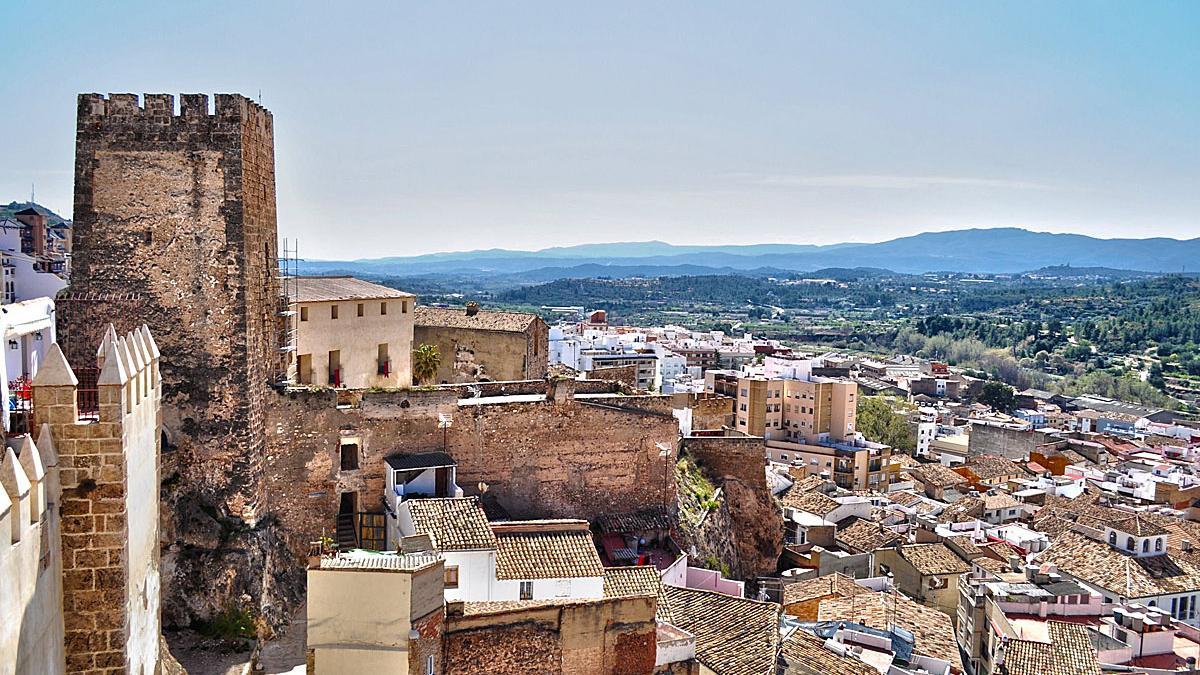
[932, 629]
[329, 289]
[734, 636]
[831, 585]
[805, 654]
[454, 523]
[1069, 652]
[457, 317]
[961, 511]
[990, 467]
[936, 475]
[1000, 501]
[810, 502]
[934, 559]
[545, 550]
[640, 580]
[1100, 565]
[866, 536]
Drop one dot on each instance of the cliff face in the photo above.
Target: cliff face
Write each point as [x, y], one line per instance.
[726, 511]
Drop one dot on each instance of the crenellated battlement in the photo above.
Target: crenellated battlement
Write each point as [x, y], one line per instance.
[160, 108]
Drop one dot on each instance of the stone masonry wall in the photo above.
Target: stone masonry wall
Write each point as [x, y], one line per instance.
[175, 227]
[470, 355]
[596, 637]
[538, 459]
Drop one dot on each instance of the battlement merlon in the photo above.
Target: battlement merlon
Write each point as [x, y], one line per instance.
[161, 107]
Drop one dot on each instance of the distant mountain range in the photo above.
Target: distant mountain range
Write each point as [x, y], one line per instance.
[996, 250]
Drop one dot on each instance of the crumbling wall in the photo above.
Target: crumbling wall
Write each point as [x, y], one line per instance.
[755, 525]
[540, 459]
[175, 227]
[470, 355]
[590, 637]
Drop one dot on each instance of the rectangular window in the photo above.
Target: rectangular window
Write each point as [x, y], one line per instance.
[360, 309]
[304, 314]
[333, 311]
[349, 455]
[451, 576]
[428, 665]
[404, 307]
[526, 590]
[383, 309]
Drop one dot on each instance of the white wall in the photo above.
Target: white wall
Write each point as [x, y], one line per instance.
[545, 589]
[141, 508]
[476, 575]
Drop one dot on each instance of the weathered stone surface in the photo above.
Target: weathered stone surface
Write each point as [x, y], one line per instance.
[175, 227]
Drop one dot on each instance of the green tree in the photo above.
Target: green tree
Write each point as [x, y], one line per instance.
[998, 395]
[425, 362]
[878, 422]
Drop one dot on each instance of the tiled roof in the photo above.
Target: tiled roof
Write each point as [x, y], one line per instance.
[1000, 501]
[831, 585]
[545, 550]
[329, 289]
[936, 475]
[455, 523]
[1100, 565]
[905, 498]
[866, 536]
[961, 511]
[804, 483]
[1069, 652]
[654, 518]
[379, 562]
[734, 636]
[447, 317]
[805, 654]
[1138, 526]
[640, 580]
[932, 629]
[810, 502]
[934, 559]
[990, 467]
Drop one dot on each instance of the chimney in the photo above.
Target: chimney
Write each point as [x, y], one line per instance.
[1186, 545]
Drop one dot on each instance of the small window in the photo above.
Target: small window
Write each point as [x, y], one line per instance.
[349, 455]
[304, 314]
[428, 665]
[360, 309]
[383, 309]
[333, 309]
[404, 307]
[526, 590]
[1158, 545]
[1130, 544]
[1112, 538]
[1145, 546]
[451, 576]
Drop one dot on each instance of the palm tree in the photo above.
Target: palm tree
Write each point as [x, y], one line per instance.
[425, 362]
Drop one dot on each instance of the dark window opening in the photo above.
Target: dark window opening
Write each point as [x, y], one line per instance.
[349, 453]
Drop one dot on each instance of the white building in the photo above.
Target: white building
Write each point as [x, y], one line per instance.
[28, 333]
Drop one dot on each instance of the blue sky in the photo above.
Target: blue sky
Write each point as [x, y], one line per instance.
[404, 129]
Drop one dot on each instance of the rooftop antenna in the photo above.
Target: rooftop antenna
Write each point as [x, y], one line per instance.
[32, 194]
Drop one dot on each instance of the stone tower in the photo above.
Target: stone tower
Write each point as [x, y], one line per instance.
[175, 228]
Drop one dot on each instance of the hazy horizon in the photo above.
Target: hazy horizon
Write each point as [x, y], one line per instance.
[541, 125]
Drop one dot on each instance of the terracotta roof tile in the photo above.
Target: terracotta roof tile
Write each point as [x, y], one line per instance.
[454, 523]
[933, 630]
[1101, 565]
[734, 636]
[831, 585]
[1069, 652]
[805, 654]
[866, 536]
[934, 559]
[810, 502]
[640, 580]
[545, 550]
[936, 475]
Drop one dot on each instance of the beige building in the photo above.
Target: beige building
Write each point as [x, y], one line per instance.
[928, 573]
[375, 613]
[811, 423]
[479, 346]
[352, 333]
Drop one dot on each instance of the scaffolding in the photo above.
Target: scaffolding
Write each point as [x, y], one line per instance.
[287, 272]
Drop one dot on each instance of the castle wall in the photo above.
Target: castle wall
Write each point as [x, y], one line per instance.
[539, 459]
[108, 470]
[31, 617]
[470, 355]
